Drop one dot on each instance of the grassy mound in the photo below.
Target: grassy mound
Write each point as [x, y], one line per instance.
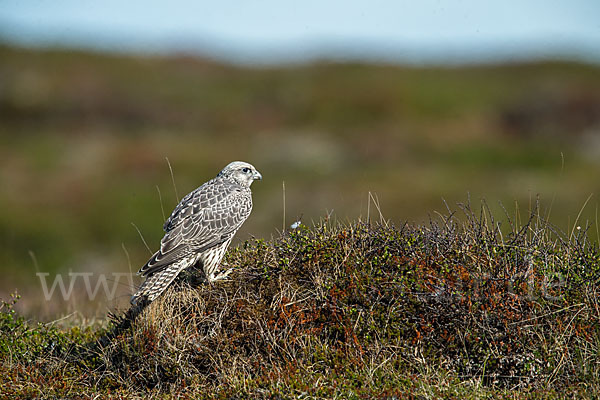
[455, 309]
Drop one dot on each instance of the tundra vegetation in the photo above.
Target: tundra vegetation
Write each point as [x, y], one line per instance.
[463, 307]
[476, 301]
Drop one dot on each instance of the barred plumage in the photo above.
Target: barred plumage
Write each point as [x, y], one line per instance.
[200, 229]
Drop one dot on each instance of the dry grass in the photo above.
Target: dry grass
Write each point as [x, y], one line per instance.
[456, 309]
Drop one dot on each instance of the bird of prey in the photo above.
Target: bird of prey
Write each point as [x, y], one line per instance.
[200, 229]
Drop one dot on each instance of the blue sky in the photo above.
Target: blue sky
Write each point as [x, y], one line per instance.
[264, 31]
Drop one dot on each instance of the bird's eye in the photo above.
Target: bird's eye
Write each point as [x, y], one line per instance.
[245, 170]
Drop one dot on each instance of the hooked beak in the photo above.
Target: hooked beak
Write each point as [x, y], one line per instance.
[257, 176]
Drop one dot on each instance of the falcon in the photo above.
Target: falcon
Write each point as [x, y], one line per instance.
[199, 230]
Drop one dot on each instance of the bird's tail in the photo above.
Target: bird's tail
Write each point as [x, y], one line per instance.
[158, 282]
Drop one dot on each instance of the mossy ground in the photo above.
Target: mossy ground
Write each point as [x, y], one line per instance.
[457, 309]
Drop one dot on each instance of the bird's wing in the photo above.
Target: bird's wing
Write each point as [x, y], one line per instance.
[206, 217]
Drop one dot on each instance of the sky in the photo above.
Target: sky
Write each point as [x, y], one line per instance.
[271, 31]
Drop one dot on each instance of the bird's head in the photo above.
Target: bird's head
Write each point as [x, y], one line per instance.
[240, 172]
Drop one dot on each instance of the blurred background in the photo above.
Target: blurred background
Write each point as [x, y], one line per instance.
[416, 103]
